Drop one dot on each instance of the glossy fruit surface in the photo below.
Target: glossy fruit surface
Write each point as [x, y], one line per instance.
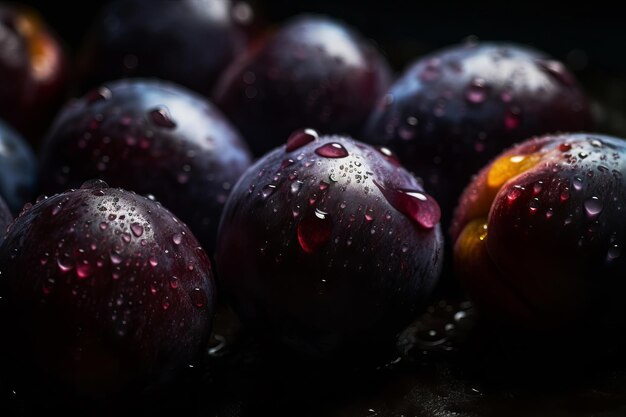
[315, 72]
[33, 69]
[326, 243]
[102, 292]
[153, 138]
[539, 233]
[454, 110]
[18, 169]
[188, 42]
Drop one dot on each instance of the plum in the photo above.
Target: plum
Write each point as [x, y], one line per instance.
[454, 110]
[153, 138]
[33, 68]
[18, 169]
[189, 42]
[103, 292]
[538, 234]
[314, 72]
[327, 244]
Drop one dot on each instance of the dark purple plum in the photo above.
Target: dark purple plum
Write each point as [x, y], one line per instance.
[539, 235]
[18, 169]
[189, 42]
[33, 70]
[314, 72]
[455, 109]
[153, 138]
[103, 292]
[327, 244]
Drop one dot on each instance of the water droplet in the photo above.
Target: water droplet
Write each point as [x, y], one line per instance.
[583, 155]
[512, 118]
[513, 194]
[198, 297]
[533, 205]
[137, 229]
[476, 91]
[593, 207]
[94, 184]
[299, 138]
[104, 225]
[577, 183]
[537, 187]
[417, 206]
[83, 270]
[98, 94]
[174, 282]
[565, 147]
[177, 238]
[431, 70]
[153, 261]
[268, 190]
[116, 258]
[324, 185]
[613, 253]
[556, 70]
[564, 195]
[332, 150]
[314, 230]
[65, 263]
[56, 209]
[166, 304]
[126, 237]
[389, 156]
[160, 116]
[285, 164]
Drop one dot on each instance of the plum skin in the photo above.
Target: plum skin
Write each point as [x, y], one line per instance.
[18, 169]
[548, 253]
[34, 68]
[454, 110]
[98, 298]
[151, 137]
[188, 42]
[314, 72]
[364, 271]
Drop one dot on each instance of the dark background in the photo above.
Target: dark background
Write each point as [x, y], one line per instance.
[590, 37]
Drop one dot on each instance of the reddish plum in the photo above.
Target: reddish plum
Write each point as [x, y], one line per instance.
[327, 244]
[314, 72]
[455, 109]
[103, 292]
[153, 138]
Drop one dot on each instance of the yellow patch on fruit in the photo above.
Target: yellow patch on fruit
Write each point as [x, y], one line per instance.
[508, 167]
[42, 60]
[469, 244]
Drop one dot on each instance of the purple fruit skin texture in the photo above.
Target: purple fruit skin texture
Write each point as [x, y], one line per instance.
[368, 280]
[189, 42]
[18, 169]
[102, 334]
[189, 167]
[5, 218]
[315, 72]
[445, 130]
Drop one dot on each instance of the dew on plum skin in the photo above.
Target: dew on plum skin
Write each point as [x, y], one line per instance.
[154, 138]
[417, 206]
[476, 92]
[137, 229]
[268, 190]
[177, 238]
[314, 230]
[593, 207]
[98, 94]
[300, 138]
[332, 150]
[329, 222]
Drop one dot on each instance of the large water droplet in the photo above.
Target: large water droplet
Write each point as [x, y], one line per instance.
[417, 206]
[476, 91]
[299, 138]
[160, 116]
[314, 230]
[177, 238]
[332, 150]
[593, 207]
[83, 270]
[268, 190]
[98, 94]
[137, 229]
